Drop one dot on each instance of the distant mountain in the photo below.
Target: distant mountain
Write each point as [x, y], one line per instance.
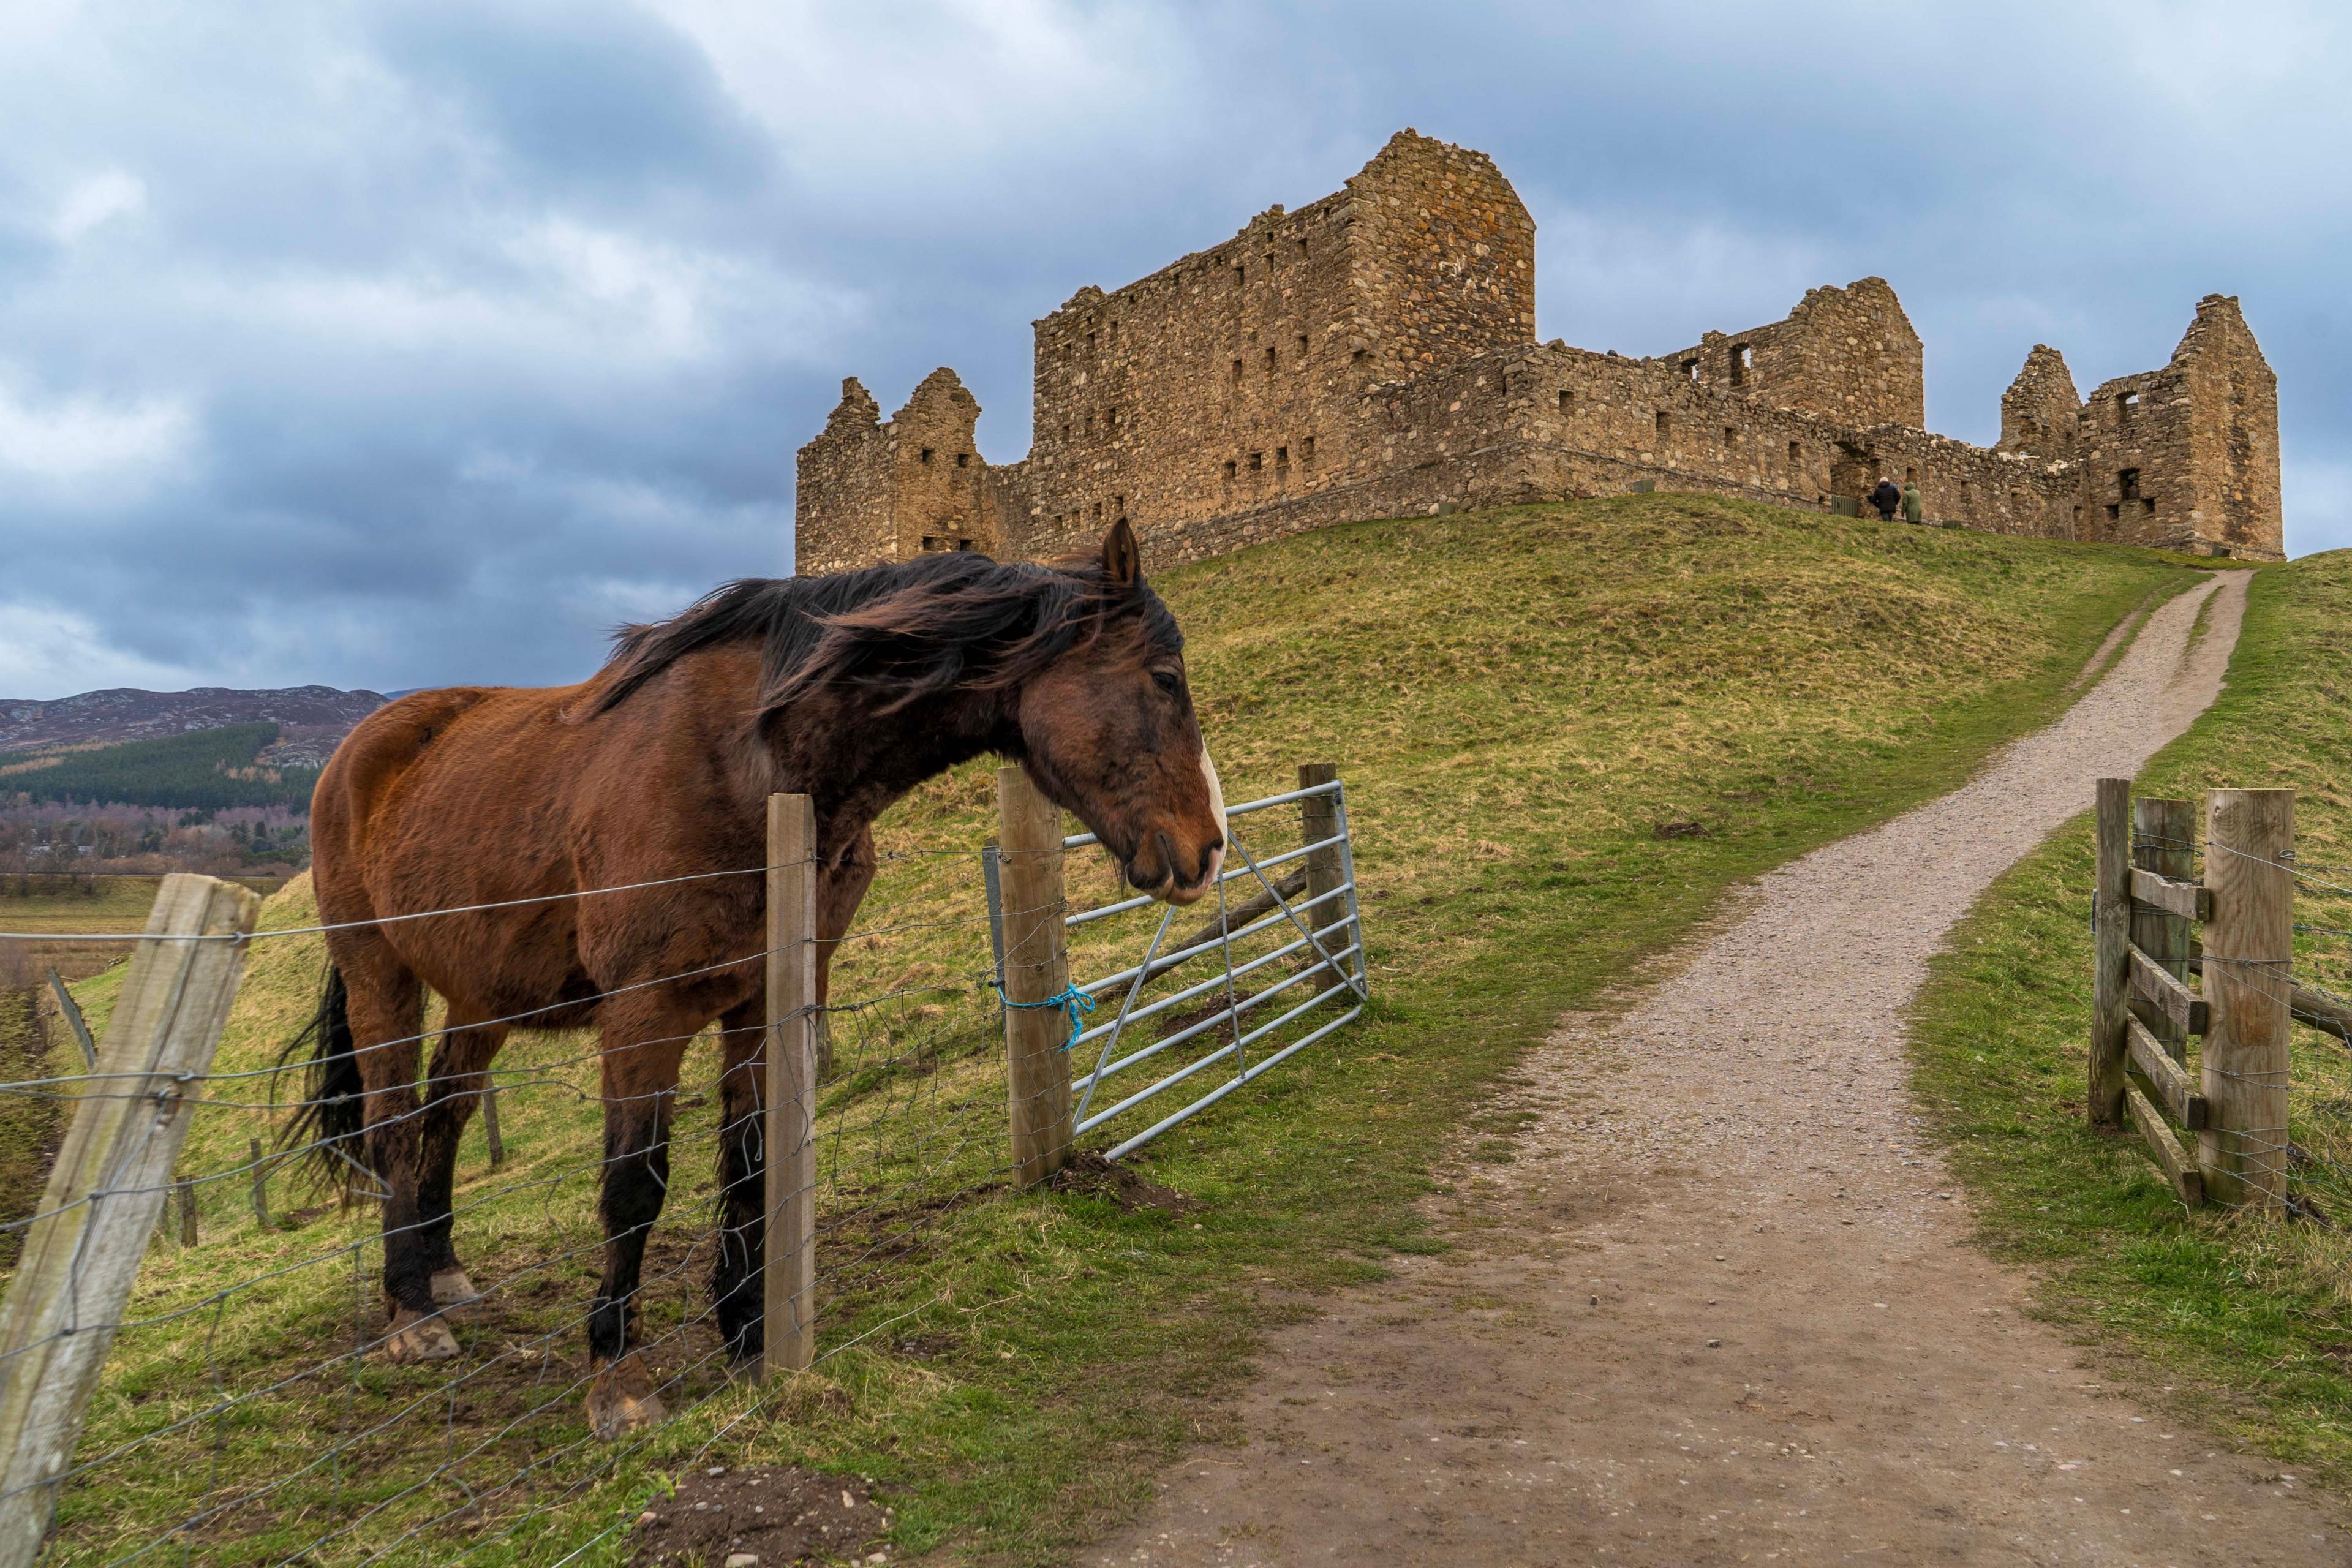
[310, 719]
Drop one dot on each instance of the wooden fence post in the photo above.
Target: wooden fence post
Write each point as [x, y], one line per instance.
[2249, 975]
[490, 1135]
[1036, 971]
[1318, 818]
[2111, 945]
[259, 1170]
[789, 1240]
[106, 1190]
[2164, 837]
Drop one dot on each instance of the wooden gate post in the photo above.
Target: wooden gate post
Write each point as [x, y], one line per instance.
[2249, 975]
[788, 1272]
[2111, 946]
[1318, 818]
[107, 1188]
[2164, 836]
[1036, 971]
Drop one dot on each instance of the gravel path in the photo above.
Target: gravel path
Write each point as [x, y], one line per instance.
[1721, 1309]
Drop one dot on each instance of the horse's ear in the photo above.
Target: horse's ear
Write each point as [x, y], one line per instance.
[1122, 560]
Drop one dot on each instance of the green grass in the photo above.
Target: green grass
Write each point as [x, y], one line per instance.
[2247, 1323]
[1518, 700]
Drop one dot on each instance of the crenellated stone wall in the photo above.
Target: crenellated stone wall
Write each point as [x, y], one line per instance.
[1373, 355]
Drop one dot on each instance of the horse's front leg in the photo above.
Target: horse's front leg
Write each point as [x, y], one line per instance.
[645, 1039]
[454, 1084]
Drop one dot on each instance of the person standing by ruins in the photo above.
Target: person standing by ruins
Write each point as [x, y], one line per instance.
[1911, 510]
[1887, 497]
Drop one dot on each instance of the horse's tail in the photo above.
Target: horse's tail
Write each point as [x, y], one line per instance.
[325, 1129]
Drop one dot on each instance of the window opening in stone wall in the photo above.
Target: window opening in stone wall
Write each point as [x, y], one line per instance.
[1742, 357]
[1257, 461]
[1566, 399]
[1239, 273]
[1118, 503]
[1357, 357]
[1114, 418]
[2127, 484]
[1113, 330]
[2115, 512]
[1066, 429]
[1307, 449]
[1690, 368]
[1097, 511]
[1281, 457]
[1665, 424]
[1090, 343]
[963, 544]
[2124, 405]
[1270, 362]
[1911, 475]
[2077, 522]
[1089, 425]
[926, 456]
[2147, 505]
[1302, 250]
[1796, 456]
[1232, 467]
[963, 460]
[1730, 437]
[1302, 345]
[1237, 373]
[932, 543]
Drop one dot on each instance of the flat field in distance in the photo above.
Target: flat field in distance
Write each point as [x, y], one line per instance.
[1565, 729]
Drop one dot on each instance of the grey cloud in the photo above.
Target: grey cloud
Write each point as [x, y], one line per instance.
[389, 345]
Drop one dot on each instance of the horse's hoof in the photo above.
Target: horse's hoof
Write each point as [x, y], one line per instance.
[452, 1288]
[622, 1400]
[751, 1369]
[415, 1337]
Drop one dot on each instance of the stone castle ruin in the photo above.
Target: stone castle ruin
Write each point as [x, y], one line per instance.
[1374, 354]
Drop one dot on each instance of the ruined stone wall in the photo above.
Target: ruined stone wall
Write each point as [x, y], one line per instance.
[841, 507]
[1372, 355]
[1849, 354]
[1231, 380]
[872, 491]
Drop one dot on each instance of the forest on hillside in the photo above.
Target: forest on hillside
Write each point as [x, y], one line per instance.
[205, 770]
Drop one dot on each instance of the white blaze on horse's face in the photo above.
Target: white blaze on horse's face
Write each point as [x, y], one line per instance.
[1217, 810]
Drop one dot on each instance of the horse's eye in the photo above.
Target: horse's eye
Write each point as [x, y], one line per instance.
[1167, 682]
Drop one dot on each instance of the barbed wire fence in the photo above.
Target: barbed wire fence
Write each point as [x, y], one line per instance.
[189, 1361]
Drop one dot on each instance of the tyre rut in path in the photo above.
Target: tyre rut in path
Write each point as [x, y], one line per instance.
[1721, 1308]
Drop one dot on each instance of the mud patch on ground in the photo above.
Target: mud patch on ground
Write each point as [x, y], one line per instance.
[770, 1516]
[1090, 1172]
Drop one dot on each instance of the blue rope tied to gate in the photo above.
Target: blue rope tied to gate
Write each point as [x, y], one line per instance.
[1070, 999]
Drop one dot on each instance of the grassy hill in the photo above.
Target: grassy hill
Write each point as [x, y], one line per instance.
[1566, 732]
[2245, 1324]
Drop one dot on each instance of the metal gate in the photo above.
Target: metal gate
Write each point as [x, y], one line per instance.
[1283, 919]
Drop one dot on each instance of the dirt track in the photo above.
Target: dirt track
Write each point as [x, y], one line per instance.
[1721, 1309]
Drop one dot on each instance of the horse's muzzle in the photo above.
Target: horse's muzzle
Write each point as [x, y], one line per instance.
[1162, 882]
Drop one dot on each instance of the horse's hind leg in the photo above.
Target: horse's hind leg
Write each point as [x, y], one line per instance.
[645, 1038]
[736, 1285]
[454, 1084]
[387, 1013]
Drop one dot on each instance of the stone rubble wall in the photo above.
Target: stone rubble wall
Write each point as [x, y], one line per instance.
[1373, 355]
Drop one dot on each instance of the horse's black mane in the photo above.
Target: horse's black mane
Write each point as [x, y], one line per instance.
[917, 627]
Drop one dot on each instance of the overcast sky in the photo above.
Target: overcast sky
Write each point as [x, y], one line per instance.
[399, 346]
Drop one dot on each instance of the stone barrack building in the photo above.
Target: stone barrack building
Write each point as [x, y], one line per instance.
[1374, 354]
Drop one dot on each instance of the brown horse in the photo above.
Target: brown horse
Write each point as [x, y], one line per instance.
[850, 688]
